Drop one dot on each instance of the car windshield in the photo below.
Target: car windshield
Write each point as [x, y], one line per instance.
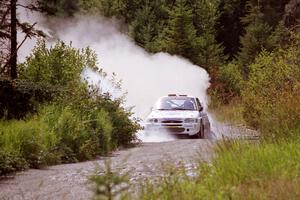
[176, 103]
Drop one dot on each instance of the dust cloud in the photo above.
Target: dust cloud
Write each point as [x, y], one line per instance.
[145, 77]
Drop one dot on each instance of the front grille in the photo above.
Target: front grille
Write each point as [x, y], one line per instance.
[176, 130]
[175, 125]
[171, 121]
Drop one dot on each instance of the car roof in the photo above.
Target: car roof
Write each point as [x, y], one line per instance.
[178, 95]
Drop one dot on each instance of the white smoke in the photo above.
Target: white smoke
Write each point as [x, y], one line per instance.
[145, 77]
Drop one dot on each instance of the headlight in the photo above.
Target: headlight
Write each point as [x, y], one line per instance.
[190, 120]
[152, 120]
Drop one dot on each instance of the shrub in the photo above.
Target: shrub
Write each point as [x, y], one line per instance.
[80, 136]
[272, 94]
[25, 143]
[61, 64]
[19, 98]
[107, 184]
[231, 76]
[76, 124]
[63, 134]
[11, 162]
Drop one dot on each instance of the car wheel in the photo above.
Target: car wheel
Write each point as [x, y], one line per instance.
[200, 134]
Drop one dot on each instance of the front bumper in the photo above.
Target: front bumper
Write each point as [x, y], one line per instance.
[174, 128]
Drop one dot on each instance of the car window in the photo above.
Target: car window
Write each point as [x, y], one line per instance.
[176, 103]
[198, 103]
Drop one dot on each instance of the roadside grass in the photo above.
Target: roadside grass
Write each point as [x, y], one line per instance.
[228, 113]
[240, 170]
[59, 134]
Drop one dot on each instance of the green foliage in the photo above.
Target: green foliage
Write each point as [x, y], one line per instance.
[64, 134]
[227, 85]
[180, 34]
[148, 24]
[229, 26]
[182, 27]
[107, 184]
[231, 76]
[262, 30]
[77, 123]
[80, 136]
[11, 162]
[58, 7]
[59, 65]
[271, 95]
[190, 33]
[210, 54]
[20, 97]
[239, 171]
[231, 113]
[24, 144]
[255, 39]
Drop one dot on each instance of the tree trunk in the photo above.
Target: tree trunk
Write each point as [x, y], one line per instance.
[13, 48]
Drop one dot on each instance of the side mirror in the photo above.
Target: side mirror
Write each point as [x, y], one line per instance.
[201, 109]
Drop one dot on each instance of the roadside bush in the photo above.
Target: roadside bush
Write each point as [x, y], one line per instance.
[76, 123]
[272, 94]
[25, 143]
[227, 83]
[61, 64]
[79, 136]
[62, 134]
[231, 76]
[11, 162]
[20, 98]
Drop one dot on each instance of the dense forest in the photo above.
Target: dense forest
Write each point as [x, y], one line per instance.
[233, 40]
[250, 48]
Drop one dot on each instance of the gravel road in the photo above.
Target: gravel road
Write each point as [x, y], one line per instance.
[69, 181]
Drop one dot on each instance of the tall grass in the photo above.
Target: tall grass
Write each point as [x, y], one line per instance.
[23, 144]
[59, 135]
[228, 113]
[242, 171]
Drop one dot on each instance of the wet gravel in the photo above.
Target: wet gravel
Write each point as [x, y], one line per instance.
[69, 181]
[146, 161]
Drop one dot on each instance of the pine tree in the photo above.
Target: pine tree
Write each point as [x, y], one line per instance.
[205, 16]
[149, 23]
[261, 25]
[142, 29]
[180, 34]
[229, 26]
[10, 25]
[59, 7]
[255, 39]
[4, 35]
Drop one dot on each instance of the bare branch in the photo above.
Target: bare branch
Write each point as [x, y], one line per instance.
[4, 16]
[25, 38]
[29, 7]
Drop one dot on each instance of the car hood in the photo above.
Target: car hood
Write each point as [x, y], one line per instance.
[173, 114]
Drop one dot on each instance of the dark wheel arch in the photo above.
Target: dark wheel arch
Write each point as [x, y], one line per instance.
[201, 133]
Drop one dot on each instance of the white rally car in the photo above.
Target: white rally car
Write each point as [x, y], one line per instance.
[180, 115]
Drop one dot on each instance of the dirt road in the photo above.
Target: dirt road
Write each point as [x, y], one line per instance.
[69, 181]
[144, 161]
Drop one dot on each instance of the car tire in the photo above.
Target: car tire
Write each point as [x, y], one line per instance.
[200, 134]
